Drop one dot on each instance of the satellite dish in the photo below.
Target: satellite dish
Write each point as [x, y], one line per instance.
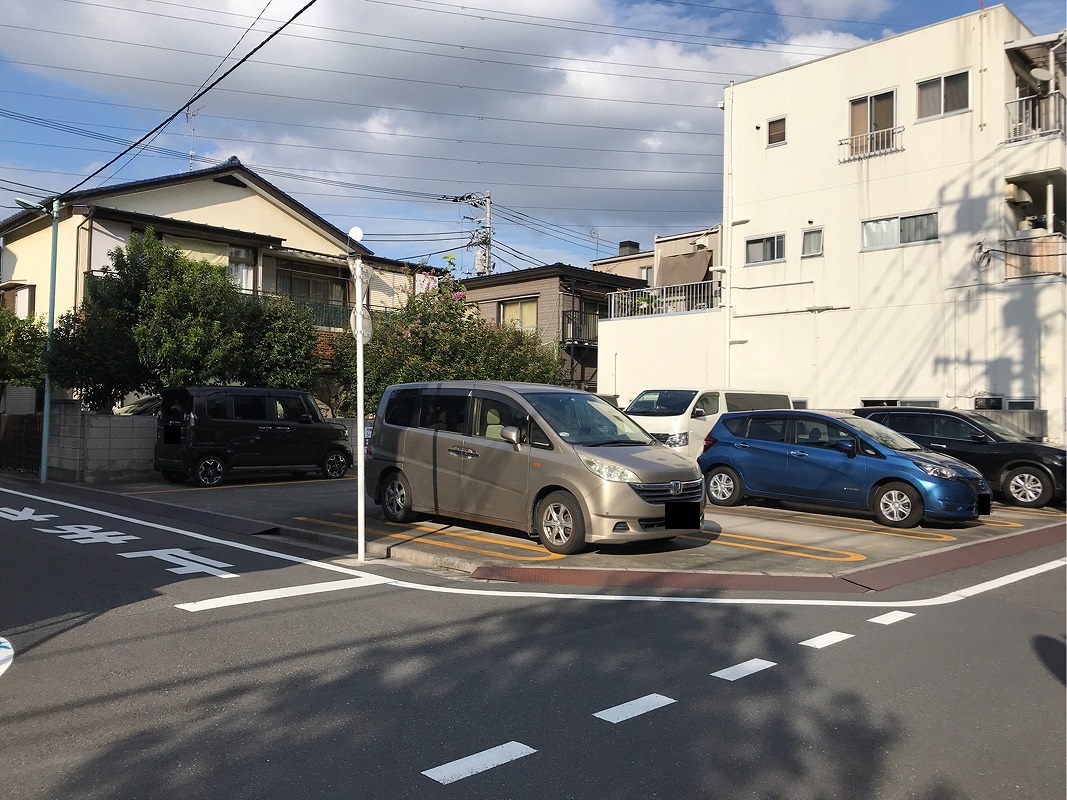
[355, 234]
[1040, 74]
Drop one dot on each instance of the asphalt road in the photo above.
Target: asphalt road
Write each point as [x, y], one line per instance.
[148, 657]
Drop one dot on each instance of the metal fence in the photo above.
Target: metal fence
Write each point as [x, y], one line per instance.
[1036, 116]
[666, 299]
[20, 441]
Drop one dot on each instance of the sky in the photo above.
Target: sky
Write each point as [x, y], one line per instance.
[585, 122]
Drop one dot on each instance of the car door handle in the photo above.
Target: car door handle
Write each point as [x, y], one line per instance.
[798, 453]
[462, 452]
[741, 445]
[937, 445]
[265, 427]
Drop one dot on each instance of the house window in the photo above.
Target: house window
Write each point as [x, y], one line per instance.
[944, 95]
[646, 275]
[812, 244]
[521, 313]
[306, 287]
[776, 131]
[894, 231]
[768, 248]
[871, 123]
[243, 267]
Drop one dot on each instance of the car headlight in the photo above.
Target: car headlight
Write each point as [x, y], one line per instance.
[677, 440]
[936, 470]
[609, 471]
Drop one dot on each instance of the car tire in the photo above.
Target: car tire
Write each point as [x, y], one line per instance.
[1029, 487]
[174, 475]
[897, 505]
[209, 471]
[723, 486]
[559, 523]
[396, 498]
[334, 465]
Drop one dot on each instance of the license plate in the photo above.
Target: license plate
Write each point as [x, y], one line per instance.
[683, 515]
[985, 504]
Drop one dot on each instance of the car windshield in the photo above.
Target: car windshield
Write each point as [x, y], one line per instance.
[883, 435]
[1005, 430]
[661, 402]
[584, 419]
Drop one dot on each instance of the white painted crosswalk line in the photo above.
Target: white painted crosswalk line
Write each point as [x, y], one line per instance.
[891, 617]
[634, 708]
[826, 639]
[288, 591]
[479, 762]
[743, 669]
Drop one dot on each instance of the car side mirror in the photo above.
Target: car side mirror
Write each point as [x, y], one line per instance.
[979, 437]
[846, 446]
[510, 433]
[698, 413]
[305, 418]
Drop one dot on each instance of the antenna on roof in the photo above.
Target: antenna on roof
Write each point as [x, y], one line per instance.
[190, 117]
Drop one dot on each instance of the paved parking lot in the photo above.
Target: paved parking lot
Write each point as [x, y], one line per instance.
[799, 547]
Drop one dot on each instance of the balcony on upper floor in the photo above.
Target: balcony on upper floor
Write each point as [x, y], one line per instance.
[677, 299]
[1030, 256]
[870, 145]
[1034, 117]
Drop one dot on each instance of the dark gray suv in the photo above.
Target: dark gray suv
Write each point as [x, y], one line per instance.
[1027, 473]
[207, 432]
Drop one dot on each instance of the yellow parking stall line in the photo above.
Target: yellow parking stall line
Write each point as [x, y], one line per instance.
[922, 536]
[816, 553]
[537, 548]
[543, 556]
[996, 523]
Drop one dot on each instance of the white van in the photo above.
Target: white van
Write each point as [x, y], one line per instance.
[682, 417]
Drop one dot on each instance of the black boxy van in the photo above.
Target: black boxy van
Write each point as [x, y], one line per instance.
[206, 432]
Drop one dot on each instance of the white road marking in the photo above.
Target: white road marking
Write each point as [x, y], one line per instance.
[275, 594]
[7, 654]
[945, 599]
[826, 639]
[479, 762]
[891, 617]
[743, 670]
[634, 708]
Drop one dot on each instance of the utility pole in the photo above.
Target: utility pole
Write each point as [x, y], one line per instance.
[482, 237]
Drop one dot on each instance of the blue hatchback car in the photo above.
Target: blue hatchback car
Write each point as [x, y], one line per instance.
[837, 459]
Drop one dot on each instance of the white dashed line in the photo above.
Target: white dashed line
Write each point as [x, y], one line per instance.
[634, 708]
[7, 654]
[891, 617]
[479, 762]
[743, 669]
[827, 639]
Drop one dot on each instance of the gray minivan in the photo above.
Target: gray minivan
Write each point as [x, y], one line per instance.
[561, 464]
[207, 432]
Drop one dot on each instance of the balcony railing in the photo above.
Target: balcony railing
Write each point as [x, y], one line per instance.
[579, 327]
[325, 313]
[666, 299]
[1030, 117]
[869, 145]
[1035, 255]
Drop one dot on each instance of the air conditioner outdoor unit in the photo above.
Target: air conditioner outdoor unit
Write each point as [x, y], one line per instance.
[1016, 195]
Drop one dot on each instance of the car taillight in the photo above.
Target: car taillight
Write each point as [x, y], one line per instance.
[709, 440]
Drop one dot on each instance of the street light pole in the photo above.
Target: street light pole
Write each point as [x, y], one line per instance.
[359, 331]
[46, 423]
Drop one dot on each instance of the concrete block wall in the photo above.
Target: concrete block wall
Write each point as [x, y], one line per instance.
[94, 448]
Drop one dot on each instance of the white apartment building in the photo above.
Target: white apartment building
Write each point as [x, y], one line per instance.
[893, 232]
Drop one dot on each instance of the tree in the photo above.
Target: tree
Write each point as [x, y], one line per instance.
[281, 342]
[190, 328]
[437, 336]
[22, 348]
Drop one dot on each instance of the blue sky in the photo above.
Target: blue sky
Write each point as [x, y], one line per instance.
[587, 121]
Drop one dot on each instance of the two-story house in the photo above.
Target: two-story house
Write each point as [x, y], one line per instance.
[560, 303]
[893, 231]
[226, 214]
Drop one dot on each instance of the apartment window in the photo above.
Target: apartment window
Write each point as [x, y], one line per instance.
[306, 287]
[646, 275]
[812, 244]
[776, 131]
[894, 231]
[521, 313]
[243, 266]
[871, 123]
[944, 95]
[768, 248]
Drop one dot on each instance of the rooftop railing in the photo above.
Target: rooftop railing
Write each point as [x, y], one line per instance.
[675, 299]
